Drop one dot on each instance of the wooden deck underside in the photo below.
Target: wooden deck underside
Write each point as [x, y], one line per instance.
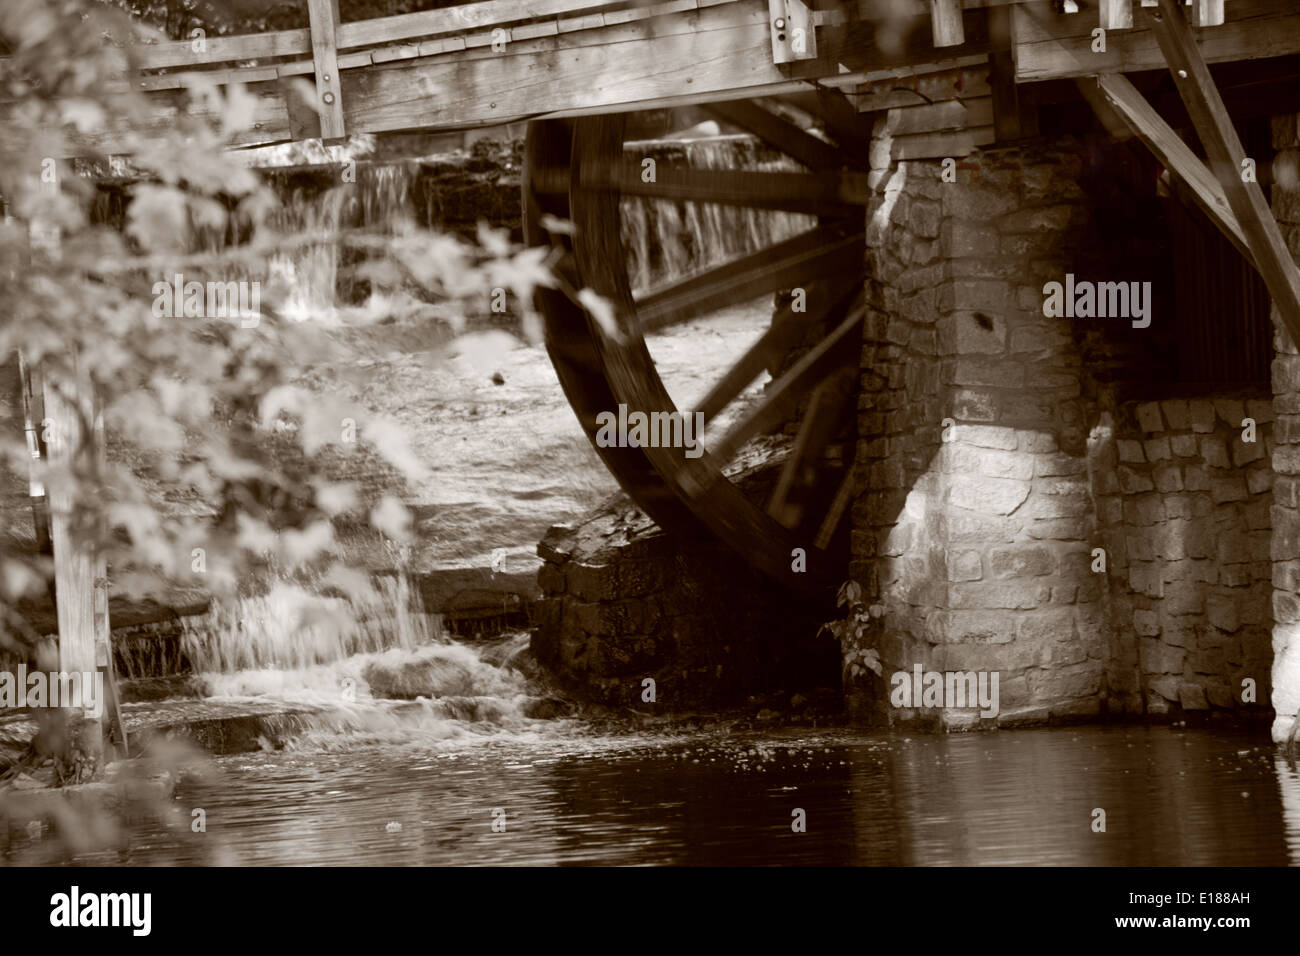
[500, 61]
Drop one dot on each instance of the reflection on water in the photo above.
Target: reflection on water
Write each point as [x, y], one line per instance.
[1171, 796]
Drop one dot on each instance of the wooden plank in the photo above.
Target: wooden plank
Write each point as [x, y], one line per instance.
[324, 16]
[945, 23]
[1116, 14]
[954, 114]
[1053, 46]
[408, 26]
[1225, 154]
[720, 49]
[1132, 108]
[720, 52]
[961, 142]
[612, 17]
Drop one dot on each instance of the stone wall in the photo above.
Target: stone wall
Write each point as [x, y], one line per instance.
[973, 515]
[622, 602]
[1183, 506]
[1286, 453]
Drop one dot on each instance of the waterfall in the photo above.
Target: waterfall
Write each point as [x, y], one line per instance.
[292, 627]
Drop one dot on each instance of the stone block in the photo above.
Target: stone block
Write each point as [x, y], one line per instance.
[1130, 450]
[992, 463]
[1160, 658]
[1157, 449]
[995, 496]
[1168, 478]
[1146, 623]
[1202, 414]
[1228, 488]
[1021, 562]
[1214, 452]
[987, 436]
[965, 566]
[1230, 410]
[1244, 452]
[1183, 446]
[1192, 697]
[1176, 414]
[1149, 418]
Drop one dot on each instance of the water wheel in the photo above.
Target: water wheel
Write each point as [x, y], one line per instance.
[579, 172]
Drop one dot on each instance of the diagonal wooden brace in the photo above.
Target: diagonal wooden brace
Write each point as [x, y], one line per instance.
[1224, 151]
[1123, 100]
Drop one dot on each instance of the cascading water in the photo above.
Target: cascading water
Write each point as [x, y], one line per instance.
[379, 664]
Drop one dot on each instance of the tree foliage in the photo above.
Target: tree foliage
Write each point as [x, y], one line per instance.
[203, 403]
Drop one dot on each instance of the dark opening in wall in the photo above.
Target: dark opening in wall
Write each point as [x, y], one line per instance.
[1224, 334]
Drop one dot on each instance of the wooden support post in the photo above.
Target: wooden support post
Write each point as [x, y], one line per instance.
[70, 408]
[794, 37]
[1126, 102]
[1116, 14]
[1012, 118]
[324, 17]
[1207, 13]
[945, 23]
[1225, 154]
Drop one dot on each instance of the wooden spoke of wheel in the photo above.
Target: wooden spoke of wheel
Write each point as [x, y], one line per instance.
[831, 399]
[782, 396]
[787, 330]
[810, 255]
[780, 133]
[815, 194]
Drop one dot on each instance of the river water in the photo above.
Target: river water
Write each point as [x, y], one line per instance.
[561, 793]
[457, 772]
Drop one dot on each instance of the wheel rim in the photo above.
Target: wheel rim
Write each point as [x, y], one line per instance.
[576, 171]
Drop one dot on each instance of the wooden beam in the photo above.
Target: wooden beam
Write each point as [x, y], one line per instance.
[1225, 154]
[324, 16]
[1132, 109]
[783, 265]
[823, 194]
[1053, 46]
[945, 23]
